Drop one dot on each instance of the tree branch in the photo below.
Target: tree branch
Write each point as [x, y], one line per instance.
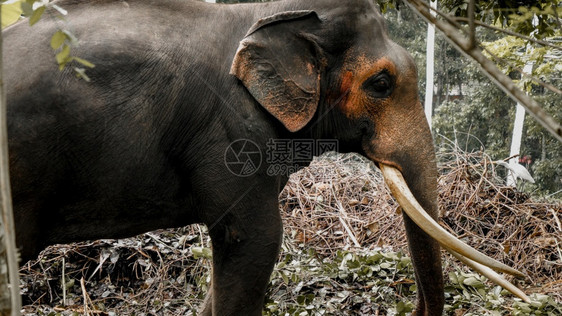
[524, 74]
[6, 201]
[489, 68]
[508, 32]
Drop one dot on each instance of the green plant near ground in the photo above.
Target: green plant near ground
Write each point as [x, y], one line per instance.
[304, 283]
[169, 274]
[381, 283]
[464, 291]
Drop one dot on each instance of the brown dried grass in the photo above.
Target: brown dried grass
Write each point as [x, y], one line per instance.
[501, 221]
[341, 202]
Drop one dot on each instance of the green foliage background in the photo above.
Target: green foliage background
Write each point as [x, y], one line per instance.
[470, 111]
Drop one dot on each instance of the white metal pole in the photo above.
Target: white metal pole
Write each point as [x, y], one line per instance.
[430, 57]
[517, 132]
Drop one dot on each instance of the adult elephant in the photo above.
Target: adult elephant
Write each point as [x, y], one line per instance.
[186, 102]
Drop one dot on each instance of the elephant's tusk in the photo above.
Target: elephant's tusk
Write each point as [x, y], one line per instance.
[492, 275]
[410, 205]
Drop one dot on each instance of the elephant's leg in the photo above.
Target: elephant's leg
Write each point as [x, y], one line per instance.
[426, 257]
[244, 253]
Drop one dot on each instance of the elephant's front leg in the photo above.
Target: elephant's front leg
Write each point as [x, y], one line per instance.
[245, 248]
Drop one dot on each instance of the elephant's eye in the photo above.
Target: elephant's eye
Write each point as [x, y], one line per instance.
[379, 85]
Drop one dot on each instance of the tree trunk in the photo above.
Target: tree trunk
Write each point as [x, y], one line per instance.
[10, 300]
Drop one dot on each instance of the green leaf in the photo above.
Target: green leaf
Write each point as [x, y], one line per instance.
[284, 277]
[58, 39]
[81, 73]
[400, 307]
[83, 62]
[202, 252]
[27, 8]
[11, 13]
[69, 284]
[62, 56]
[473, 281]
[36, 15]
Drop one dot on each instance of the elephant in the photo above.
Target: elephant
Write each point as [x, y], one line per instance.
[185, 120]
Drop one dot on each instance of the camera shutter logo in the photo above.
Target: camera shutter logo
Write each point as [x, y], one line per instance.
[243, 157]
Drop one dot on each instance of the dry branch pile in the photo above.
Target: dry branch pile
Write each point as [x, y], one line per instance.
[149, 274]
[501, 221]
[341, 202]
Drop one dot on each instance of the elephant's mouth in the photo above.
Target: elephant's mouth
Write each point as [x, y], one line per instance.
[470, 256]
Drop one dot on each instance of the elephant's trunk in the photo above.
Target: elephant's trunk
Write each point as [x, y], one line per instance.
[408, 151]
[405, 154]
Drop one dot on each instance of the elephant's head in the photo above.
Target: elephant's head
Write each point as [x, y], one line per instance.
[330, 70]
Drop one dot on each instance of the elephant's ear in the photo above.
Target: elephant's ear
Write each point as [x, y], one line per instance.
[280, 64]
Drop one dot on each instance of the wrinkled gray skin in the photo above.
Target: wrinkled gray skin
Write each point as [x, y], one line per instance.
[142, 146]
